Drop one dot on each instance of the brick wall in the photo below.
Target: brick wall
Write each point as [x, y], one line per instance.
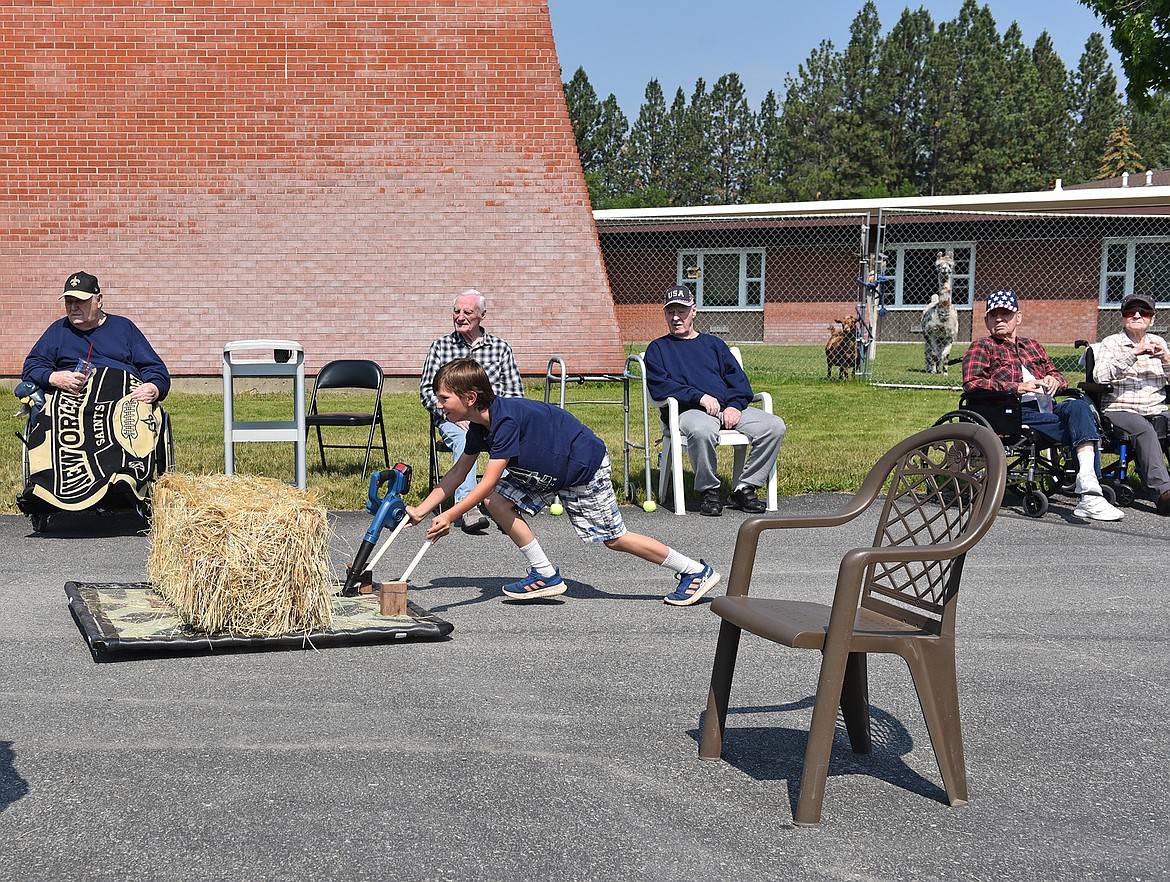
[330, 172]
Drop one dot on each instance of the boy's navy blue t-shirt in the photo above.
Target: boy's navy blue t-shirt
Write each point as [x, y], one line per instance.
[547, 448]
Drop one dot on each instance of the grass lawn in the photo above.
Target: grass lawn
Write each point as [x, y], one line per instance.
[835, 433]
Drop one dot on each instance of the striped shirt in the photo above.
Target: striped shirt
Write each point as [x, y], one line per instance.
[1139, 381]
[489, 350]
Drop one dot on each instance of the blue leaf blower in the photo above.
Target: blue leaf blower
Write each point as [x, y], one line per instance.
[387, 488]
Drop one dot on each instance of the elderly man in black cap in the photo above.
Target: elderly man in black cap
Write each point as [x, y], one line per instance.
[713, 393]
[90, 337]
[1136, 363]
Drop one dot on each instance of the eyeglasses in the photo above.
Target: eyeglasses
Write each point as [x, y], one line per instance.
[1144, 313]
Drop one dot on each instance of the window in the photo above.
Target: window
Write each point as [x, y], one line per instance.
[724, 278]
[915, 278]
[1135, 266]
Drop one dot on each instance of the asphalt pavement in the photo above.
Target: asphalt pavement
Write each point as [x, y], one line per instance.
[558, 740]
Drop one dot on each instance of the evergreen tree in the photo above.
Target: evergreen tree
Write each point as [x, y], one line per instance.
[585, 115]
[766, 163]
[1095, 108]
[1049, 112]
[810, 117]
[971, 144]
[865, 166]
[731, 133]
[650, 142]
[612, 177]
[1021, 100]
[1120, 154]
[902, 79]
[692, 173]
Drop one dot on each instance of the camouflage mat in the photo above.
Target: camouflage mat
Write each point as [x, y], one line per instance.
[116, 616]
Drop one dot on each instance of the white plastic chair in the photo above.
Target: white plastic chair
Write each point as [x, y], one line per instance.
[673, 442]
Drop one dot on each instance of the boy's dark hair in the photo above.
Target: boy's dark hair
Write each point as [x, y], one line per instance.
[463, 375]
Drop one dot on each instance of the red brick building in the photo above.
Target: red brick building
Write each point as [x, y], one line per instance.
[328, 172]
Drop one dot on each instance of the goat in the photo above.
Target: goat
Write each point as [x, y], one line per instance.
[841, 350]
[940, 319]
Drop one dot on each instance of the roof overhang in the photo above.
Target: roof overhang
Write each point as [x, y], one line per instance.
[1112, 200]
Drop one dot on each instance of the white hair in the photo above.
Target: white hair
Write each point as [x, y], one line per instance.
[481, 300]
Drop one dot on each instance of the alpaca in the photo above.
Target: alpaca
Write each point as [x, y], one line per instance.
[940, 320]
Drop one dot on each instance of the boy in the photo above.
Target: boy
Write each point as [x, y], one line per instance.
[546, 452]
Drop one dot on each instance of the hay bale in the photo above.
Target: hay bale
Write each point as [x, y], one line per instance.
[240, 555]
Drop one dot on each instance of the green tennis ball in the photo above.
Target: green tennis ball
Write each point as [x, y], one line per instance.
[649, 505]
[556, 509]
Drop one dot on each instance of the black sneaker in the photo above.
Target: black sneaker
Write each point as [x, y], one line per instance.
[710, 504]
[745, 499]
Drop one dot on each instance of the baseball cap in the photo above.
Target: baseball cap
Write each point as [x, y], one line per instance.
[679, 294]
[82, 286]
[1138, 300]
[1003, 300]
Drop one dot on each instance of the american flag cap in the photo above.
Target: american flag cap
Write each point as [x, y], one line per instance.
[1003, 300]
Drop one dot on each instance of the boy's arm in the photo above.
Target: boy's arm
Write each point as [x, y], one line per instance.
[441, 523]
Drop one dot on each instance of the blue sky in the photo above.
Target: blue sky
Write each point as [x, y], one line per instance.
[623, 44]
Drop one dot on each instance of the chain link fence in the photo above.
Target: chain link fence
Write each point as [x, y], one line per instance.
[778, 287]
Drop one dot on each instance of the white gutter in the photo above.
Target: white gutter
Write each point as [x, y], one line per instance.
[1087, 200]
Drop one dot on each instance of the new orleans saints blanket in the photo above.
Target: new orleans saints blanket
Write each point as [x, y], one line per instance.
[85, 447]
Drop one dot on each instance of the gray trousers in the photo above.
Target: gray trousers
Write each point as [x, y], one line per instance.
[766, 432]
[1146, 449]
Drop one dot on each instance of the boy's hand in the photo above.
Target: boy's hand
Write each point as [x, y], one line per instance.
[414, 515]
[440, 527]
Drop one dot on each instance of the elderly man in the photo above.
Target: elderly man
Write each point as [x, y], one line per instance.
[713, 393]
[88, 337]
[1005, 361]
[468, 340]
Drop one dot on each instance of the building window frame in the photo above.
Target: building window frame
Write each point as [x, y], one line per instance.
[692, 271]
[962, 281]
[1120, 273]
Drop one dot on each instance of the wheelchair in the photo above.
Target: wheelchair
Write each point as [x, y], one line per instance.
[97, 451]
[1116, 441]
[1038, 466]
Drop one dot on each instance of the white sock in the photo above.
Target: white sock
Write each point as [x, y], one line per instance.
[536, 558]
[680, 563]
[1085, 470]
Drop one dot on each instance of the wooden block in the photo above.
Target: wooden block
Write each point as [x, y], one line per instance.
[393, 599]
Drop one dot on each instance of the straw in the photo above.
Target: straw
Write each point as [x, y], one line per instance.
[239, 555]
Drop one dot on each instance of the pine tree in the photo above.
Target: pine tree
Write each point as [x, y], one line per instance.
[1050, 112]
[1150, 129]
[902, 76]
[766, 161]
[1120, 154]
[811, 105]
[731, 133]
[649, 143]
[1095, 108]
[865, 165]
[585, 115]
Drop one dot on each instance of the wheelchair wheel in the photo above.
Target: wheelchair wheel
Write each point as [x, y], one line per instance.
[962, 416]
[1110, 494]
[1123, 493]
[39, 521]
[164, 449]
[1035, 504]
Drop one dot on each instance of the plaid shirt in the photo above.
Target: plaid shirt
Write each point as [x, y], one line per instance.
[489, 350]
[1139, 381]
[998, 365]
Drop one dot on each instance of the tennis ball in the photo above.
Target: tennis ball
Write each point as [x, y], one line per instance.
[556, 509]
[649, 505]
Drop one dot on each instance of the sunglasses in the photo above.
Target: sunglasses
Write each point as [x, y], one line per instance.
[1144, 313]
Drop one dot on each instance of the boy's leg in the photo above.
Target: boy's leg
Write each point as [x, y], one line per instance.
[543, 579]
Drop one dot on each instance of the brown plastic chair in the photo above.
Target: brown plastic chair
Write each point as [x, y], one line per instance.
[945, 488]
